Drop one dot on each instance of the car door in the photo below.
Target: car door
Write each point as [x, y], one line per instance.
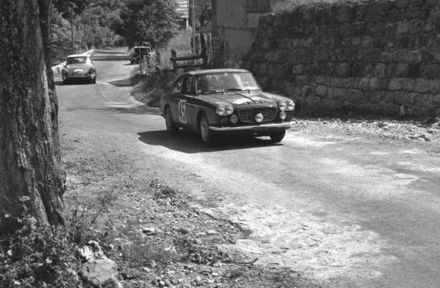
[173, 99]
[191, 109]
[184, 99]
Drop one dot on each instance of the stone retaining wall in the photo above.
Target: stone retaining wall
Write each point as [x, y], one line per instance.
[379, 57]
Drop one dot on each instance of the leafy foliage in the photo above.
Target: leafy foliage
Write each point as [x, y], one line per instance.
[80, 25]
[147, 20]
[288, 5]
[70, 7]
[46, 256]
[38, 257]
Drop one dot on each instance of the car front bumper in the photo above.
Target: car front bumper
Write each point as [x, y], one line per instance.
[253, 128]
[81, 76]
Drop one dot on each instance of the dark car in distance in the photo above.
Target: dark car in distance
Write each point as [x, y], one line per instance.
[139, 53]
[216, 101]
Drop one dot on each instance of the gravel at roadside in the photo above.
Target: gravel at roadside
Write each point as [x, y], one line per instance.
[371, 129]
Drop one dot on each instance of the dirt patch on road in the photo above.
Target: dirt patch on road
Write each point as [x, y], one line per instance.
[322, 250]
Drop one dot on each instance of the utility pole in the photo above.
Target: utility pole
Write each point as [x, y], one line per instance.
[194, 27]
[71, 31]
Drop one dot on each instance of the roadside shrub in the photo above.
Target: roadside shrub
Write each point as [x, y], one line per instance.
[150, 87]
[153, 86]
[288, 5]
[38, 257]
[45, 256]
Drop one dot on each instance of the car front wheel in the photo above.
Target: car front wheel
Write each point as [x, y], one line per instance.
[171, 126]
[277, 136]
[206, 134]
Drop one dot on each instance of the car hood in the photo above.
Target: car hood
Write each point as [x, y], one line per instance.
[242, 98]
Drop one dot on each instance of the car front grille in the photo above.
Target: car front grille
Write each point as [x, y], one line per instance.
[78, 74]
[248, 115]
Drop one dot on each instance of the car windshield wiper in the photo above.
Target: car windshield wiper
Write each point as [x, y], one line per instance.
[242, 89]
[213, 91]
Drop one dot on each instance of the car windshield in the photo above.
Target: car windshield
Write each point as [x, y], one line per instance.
[76, 60]
[225, 81]
[141, 50]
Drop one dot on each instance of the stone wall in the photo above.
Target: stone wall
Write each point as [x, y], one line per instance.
[234, 30]
[379, 57]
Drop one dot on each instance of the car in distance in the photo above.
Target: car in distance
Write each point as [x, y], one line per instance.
[79, 67]
[216, 101]
[139, 53]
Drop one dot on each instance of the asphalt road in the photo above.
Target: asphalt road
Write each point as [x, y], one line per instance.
[342, 212]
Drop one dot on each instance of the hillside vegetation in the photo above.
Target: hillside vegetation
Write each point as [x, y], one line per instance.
[287, 5]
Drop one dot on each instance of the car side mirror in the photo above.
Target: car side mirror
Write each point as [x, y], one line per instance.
[175, 91]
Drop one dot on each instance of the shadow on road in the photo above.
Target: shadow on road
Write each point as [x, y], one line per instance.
[123, 82]
[136, 109]
[119, 108]
[59, 82]
[189, 142]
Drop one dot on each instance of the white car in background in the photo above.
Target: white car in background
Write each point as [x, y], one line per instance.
[79, 67]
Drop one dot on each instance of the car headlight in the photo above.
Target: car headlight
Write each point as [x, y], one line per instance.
[290, 105]
[223, 110]
[229, 110]
[282, 105]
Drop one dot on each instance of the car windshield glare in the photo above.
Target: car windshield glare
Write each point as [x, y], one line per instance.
[225, 81]
[76, 60]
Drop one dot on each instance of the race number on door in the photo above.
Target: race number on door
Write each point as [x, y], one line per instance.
[182, 113]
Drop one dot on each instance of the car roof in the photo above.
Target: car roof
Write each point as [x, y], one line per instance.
[213, 71]
[78, 55]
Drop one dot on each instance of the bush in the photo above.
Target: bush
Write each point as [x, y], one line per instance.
[38, 257]
[287, 5]
[153, 86]
[46, 256]
[156, 83]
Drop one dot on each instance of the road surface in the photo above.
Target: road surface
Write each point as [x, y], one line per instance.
[344, 213]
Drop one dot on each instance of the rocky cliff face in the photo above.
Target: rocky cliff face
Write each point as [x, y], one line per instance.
[378, 57]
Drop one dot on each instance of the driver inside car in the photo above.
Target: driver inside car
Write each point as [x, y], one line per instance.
[204, 85]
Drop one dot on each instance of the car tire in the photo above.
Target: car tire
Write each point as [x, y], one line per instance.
[206, 135]
[172, 128]
[277, 136]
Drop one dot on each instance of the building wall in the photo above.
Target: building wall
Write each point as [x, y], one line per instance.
[182, 8]
[376, 56]
[234, 29]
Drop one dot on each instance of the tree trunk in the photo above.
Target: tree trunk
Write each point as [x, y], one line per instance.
[31, 178]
